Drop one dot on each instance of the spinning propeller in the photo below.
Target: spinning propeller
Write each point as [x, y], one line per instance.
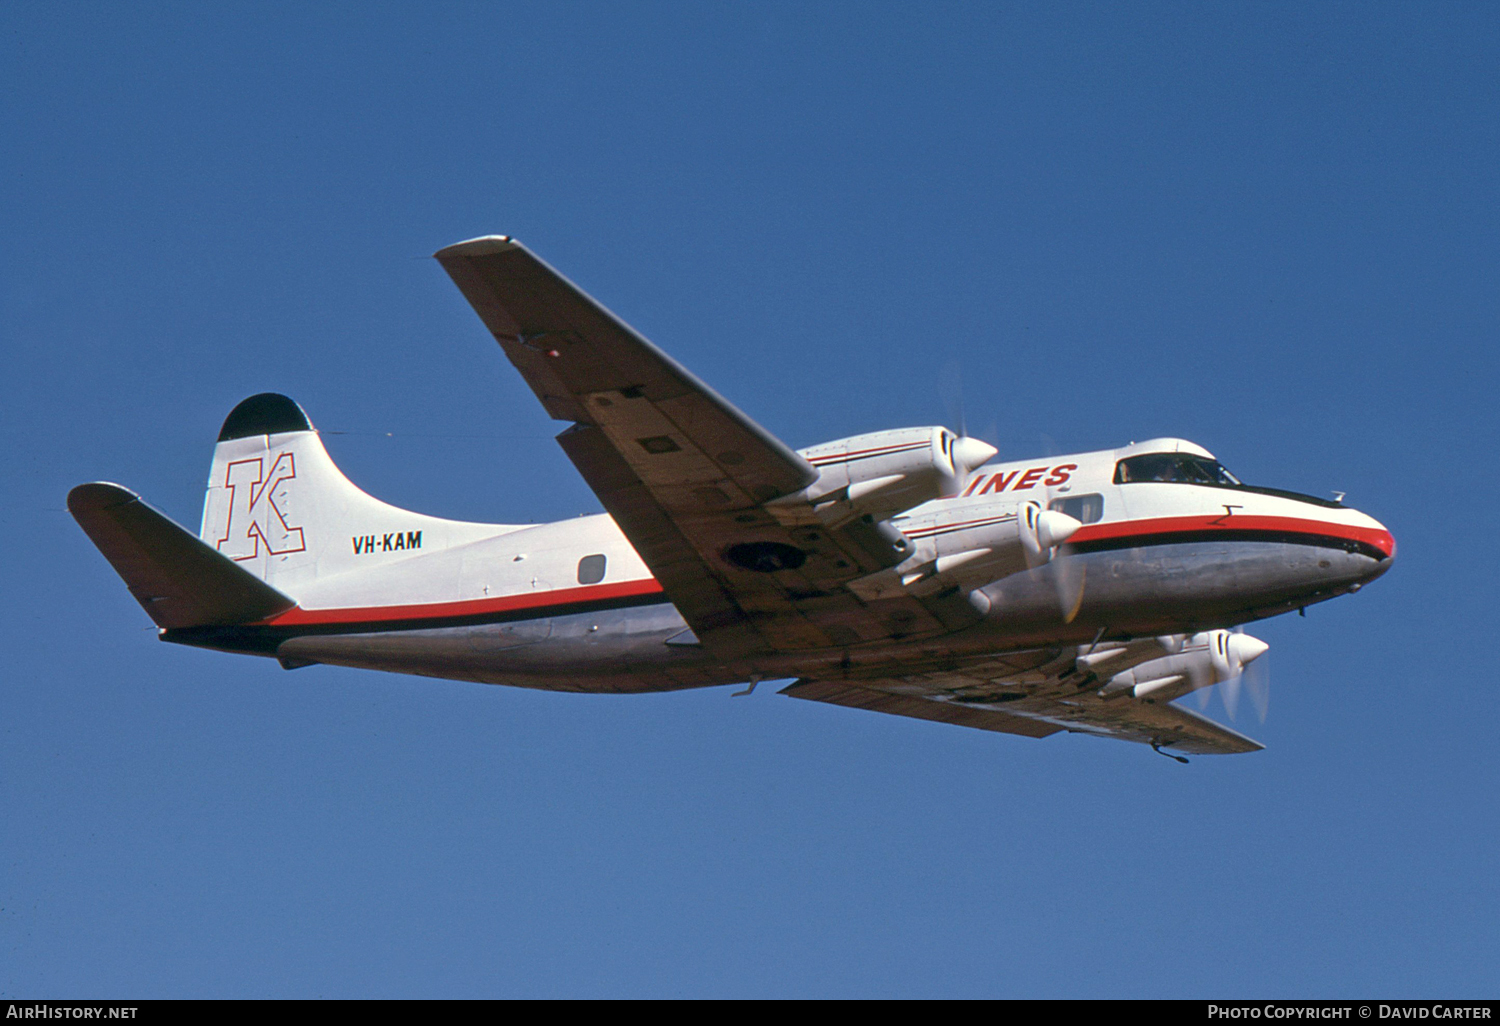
[1069, 576]
[969, 453]
[1233, 654]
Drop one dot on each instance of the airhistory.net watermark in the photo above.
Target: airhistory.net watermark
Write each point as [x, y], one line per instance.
[39, 1010]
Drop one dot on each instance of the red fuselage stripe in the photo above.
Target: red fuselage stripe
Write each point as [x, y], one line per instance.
[1381, 540]
[298, 617]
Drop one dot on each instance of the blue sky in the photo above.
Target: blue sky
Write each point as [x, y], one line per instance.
[1270, 228]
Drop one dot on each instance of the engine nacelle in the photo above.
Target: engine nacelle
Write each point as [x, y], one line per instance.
[1199, 661]
[970, 546]
[885, 472]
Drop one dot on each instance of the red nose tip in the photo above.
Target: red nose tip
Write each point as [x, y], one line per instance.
[1386, 542]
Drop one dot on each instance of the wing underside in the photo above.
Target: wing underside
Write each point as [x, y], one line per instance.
[690, 479]
[1053, 695]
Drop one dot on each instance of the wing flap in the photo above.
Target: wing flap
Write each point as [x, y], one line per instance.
[1152, 723]
[857, 697]
[179, 580]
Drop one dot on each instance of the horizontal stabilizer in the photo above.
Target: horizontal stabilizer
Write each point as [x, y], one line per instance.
[178, 579]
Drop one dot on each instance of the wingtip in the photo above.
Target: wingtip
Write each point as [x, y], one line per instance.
[482, 246]
[98, 495]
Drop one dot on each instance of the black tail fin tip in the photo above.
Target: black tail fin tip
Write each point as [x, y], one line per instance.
[268, 413]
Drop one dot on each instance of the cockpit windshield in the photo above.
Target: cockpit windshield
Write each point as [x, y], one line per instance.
[1175, 467]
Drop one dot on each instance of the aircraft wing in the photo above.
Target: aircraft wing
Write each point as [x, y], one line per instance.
[1149, 723]
[865, 696]
[1001, 695]
[685, 475]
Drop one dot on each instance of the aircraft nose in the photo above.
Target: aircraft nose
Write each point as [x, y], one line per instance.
[1377, 542]
[1383, 539]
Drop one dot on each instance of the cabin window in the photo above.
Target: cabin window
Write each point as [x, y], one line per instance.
[1174, 467]
[1086, 509]
[591, 569]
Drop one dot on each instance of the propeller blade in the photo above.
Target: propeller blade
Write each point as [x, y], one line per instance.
[1231, 695]
[1258, 685]
[1070, 576]
[1242, 651]
[968, 453]
[951, 385]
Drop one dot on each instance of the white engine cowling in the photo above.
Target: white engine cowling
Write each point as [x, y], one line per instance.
[971, 546]
[884, 472]
[1199, 661]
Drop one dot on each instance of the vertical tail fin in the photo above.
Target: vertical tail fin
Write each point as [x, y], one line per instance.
[278, 506]
[252, 512]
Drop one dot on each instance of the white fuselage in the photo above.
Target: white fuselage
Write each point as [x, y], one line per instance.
[571, 606]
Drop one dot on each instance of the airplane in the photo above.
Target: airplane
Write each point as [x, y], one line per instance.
[904, 571]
